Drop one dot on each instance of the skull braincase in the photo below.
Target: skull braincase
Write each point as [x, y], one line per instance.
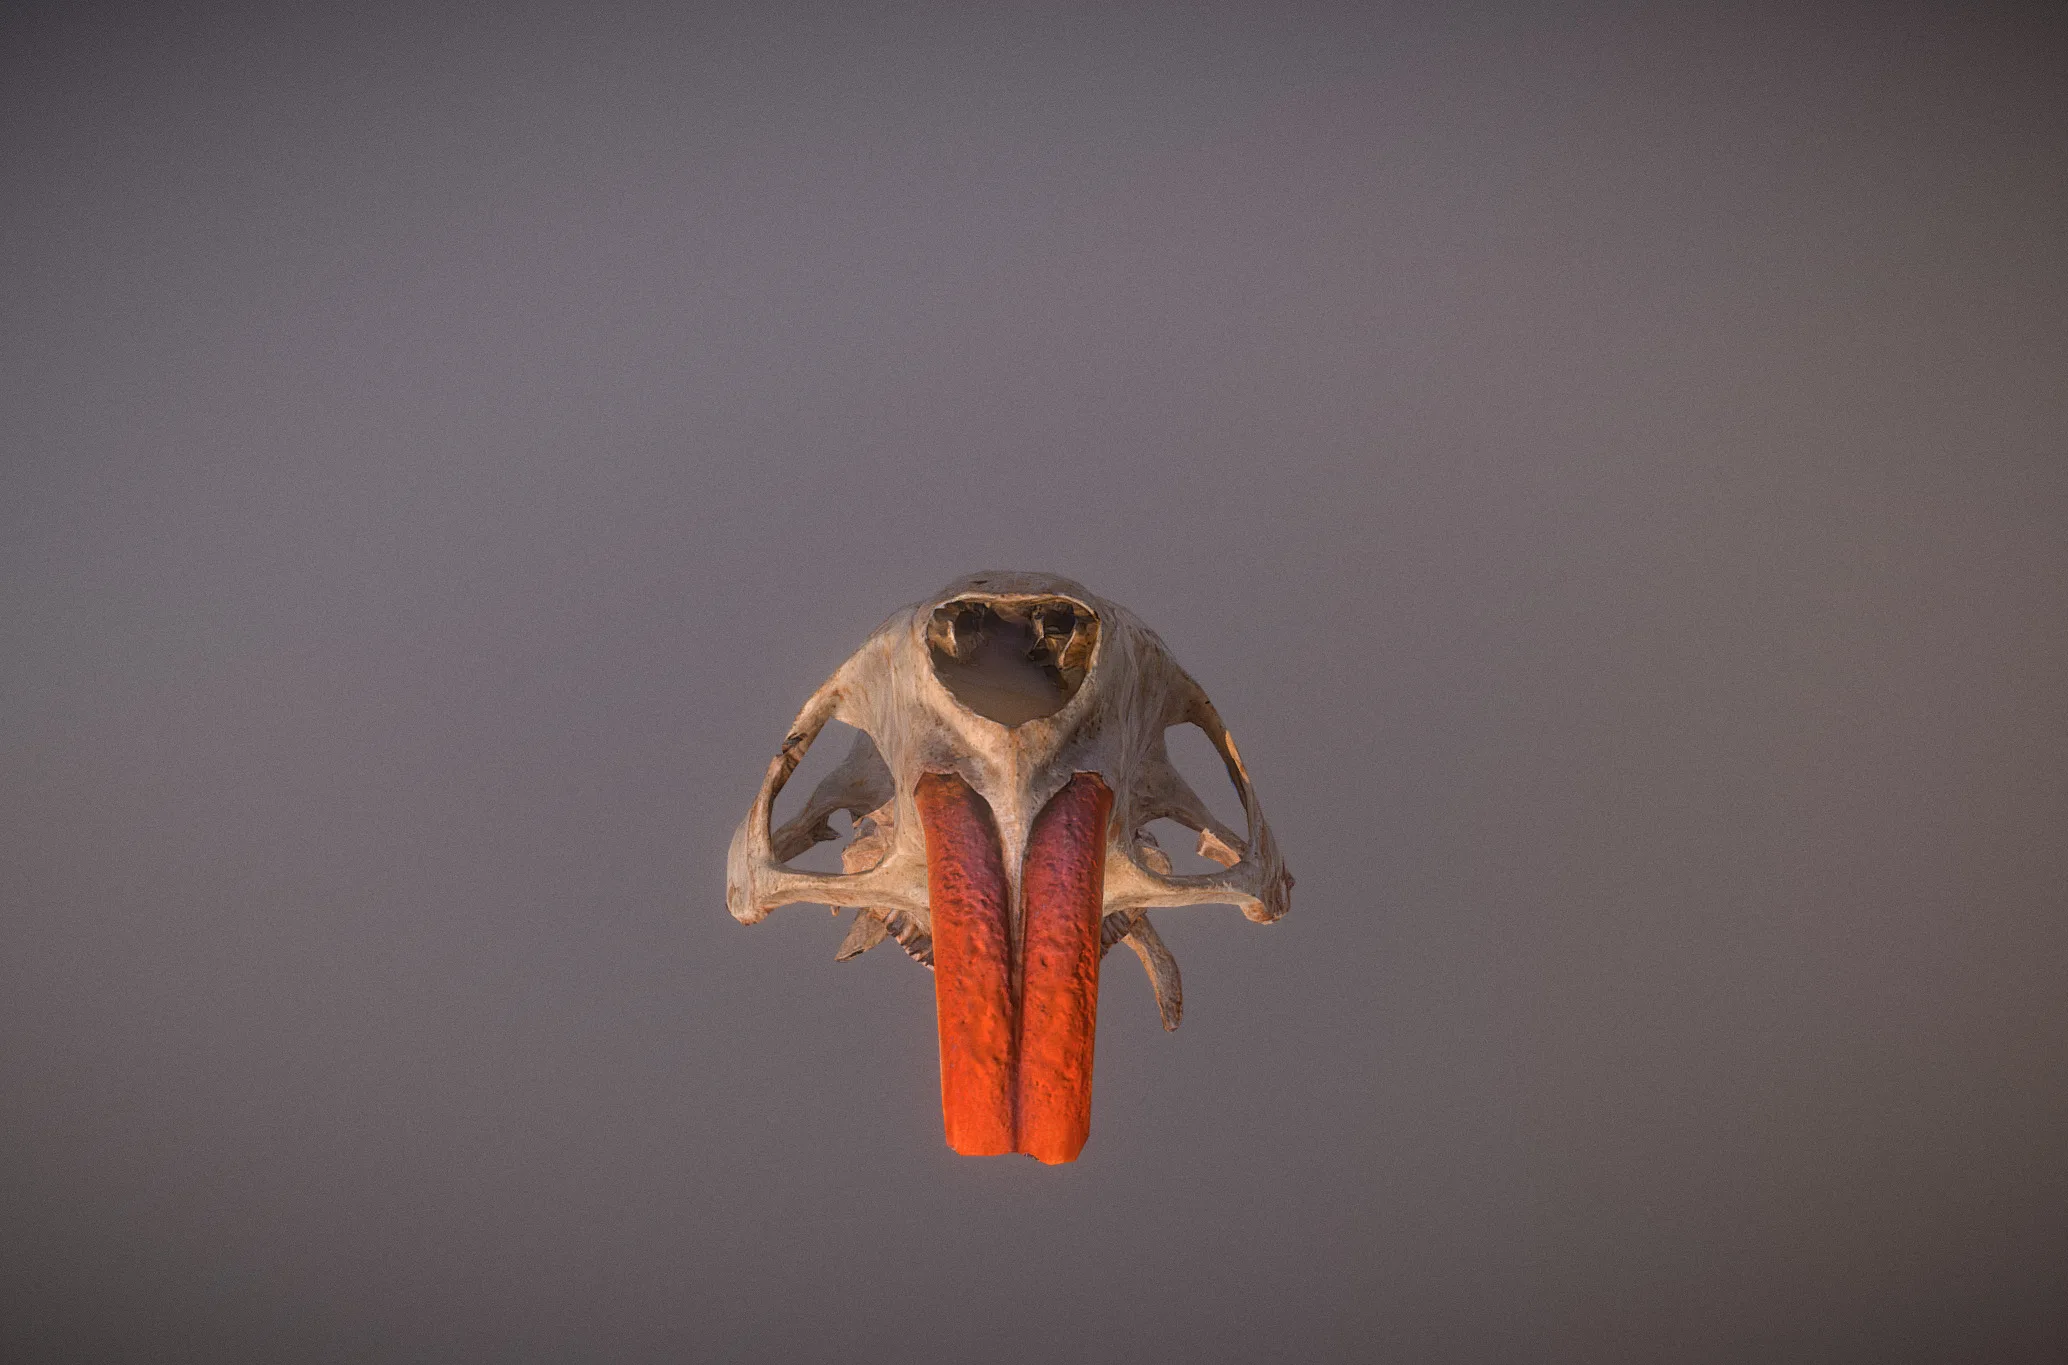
[1014, 682]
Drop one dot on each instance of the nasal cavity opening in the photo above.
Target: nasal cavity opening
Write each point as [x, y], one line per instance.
[1011, 661]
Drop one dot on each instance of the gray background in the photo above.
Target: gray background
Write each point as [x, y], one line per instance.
[1606, 464]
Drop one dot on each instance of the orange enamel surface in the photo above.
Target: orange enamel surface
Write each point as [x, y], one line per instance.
[972, 957]
[1063, 892]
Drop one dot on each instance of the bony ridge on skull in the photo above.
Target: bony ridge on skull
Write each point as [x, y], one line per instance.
[1010, 759]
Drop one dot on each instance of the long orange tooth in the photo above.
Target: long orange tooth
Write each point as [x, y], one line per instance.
[1062, 894]
[972, 961]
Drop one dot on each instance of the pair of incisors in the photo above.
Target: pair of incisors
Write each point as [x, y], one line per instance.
[1010, 759]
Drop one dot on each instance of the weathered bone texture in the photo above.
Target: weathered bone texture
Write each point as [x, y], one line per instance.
[1015, 683]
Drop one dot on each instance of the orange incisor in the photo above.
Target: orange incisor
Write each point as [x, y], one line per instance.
[1016, 1064]
[972, 964]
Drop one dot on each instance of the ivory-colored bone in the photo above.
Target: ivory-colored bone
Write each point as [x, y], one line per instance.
[1162, 969]
[868, 931]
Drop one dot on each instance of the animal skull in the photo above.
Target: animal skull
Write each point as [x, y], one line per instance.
[1010, 757]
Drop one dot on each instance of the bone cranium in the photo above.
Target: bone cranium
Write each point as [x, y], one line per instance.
[1009, 760]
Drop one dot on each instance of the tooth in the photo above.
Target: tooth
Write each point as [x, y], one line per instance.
[916, 942]
[969, 898]
[1114, 928]
[1063, 885]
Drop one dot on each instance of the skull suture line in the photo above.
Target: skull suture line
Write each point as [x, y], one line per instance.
[1010, 759]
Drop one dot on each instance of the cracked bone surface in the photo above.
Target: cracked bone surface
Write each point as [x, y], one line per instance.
[1010, 759]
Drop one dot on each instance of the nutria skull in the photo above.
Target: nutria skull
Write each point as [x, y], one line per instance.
[1010, 759]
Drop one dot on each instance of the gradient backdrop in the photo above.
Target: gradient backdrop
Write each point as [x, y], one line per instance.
[1607, 465]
